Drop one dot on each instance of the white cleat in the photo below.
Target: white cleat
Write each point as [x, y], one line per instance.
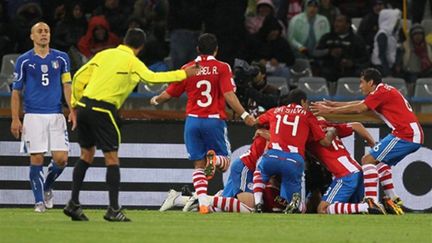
[39, 207]
[170, 200]
[191, 204]
[48, 199]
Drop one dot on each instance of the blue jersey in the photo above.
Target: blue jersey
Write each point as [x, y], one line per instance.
[41, 79]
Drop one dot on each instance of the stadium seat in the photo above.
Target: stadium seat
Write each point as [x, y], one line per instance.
[355, 23]
[315, 88]
[427, 25]
[301, 68]
[277, 81]
[423, 91]
[7, 67]
[398, 83]
[348, 88]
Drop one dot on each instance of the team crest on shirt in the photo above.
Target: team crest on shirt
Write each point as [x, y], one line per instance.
[44, 68]
[55, 64]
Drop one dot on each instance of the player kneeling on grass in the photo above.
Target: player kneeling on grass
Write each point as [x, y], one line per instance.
[346, 190]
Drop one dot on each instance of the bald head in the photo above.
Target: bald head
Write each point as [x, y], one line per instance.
[40, 34]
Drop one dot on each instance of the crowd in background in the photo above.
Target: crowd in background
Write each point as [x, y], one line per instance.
[272, 32]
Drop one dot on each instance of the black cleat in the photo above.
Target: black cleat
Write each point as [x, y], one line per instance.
[75, 212]
[115, 215]
[294, 205]
[259, 208]
[373, 207]
[185, 190]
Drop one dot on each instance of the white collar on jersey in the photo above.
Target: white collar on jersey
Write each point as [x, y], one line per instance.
[209, 57]
[376, 88]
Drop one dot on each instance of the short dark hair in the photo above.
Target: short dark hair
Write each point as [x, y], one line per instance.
[135, 38]
[207, 44]
[372, 74]
[294, 96]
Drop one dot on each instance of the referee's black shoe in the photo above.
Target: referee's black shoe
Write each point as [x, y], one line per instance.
[115, 215]
[75, 212]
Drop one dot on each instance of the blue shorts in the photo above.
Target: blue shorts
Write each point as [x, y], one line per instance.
[203, 134]
[289, 166]
[347, 189]
[240, 179]
[390, 150]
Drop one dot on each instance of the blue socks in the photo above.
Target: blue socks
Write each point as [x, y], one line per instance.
[37, 182]
[54, 171]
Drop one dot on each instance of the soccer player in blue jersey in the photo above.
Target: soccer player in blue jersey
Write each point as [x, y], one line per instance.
[41, 75]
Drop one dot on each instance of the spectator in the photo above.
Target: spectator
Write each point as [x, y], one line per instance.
[288, 9]
[271, 49]
[97, 38]
[184, 23]
[27, 15]
[69, 30]
[326, 8]
[417, 58]
[116, 15]
[342, 52]
[306, 29]
[263, 9]
[385, 51]
[369, 24]
[225, 19]
[418, 9]
[6, 41]
[151, 12]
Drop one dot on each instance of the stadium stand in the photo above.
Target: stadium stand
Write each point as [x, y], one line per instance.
[315, 88]
[348, 89]
[398, 83]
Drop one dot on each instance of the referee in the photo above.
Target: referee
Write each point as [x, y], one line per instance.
[99, 89]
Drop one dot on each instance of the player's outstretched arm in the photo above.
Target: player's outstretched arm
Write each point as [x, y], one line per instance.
[16, 125]
[337, 103]
[354, 108]
[234, 103]
[161, 98]
[361, 130]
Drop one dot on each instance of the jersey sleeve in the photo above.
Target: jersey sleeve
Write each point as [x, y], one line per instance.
[373, 100]
[19, 74]
[140, 73]
[226, 79]
[81, 79]
[316, 130]
[176, 89]
[264, 119]
[343, 130]
[65, 68]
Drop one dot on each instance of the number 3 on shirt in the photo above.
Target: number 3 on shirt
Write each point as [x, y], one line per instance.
[45, 79]
[285, 121]
[205, 93]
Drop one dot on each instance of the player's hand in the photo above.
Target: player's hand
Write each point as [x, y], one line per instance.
[153, 100]
[16, 128]
[72, 118]
[319, 108]
[192, 70]
[263, 133]
[250, 121]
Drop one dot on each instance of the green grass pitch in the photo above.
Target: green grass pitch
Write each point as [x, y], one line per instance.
[23, 225]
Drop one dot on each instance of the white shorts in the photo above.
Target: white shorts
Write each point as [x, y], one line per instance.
[44, 133]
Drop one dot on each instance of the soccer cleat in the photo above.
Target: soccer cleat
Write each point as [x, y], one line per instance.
[115, 215]
[170, 200]
[40, 207]
[204, 209]
[210, 168]
[48, 199]
[259, 208]
[185, 190]
[294, 205]
[393, 206]
[373, 207]
[191, 204]
[75, 212]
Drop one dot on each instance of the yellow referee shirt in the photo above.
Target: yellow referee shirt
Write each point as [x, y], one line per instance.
[112, 74]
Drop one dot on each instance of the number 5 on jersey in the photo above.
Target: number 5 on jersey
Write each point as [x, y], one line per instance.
[45, 79]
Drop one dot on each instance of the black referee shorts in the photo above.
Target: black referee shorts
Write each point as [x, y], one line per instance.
[98, 124]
